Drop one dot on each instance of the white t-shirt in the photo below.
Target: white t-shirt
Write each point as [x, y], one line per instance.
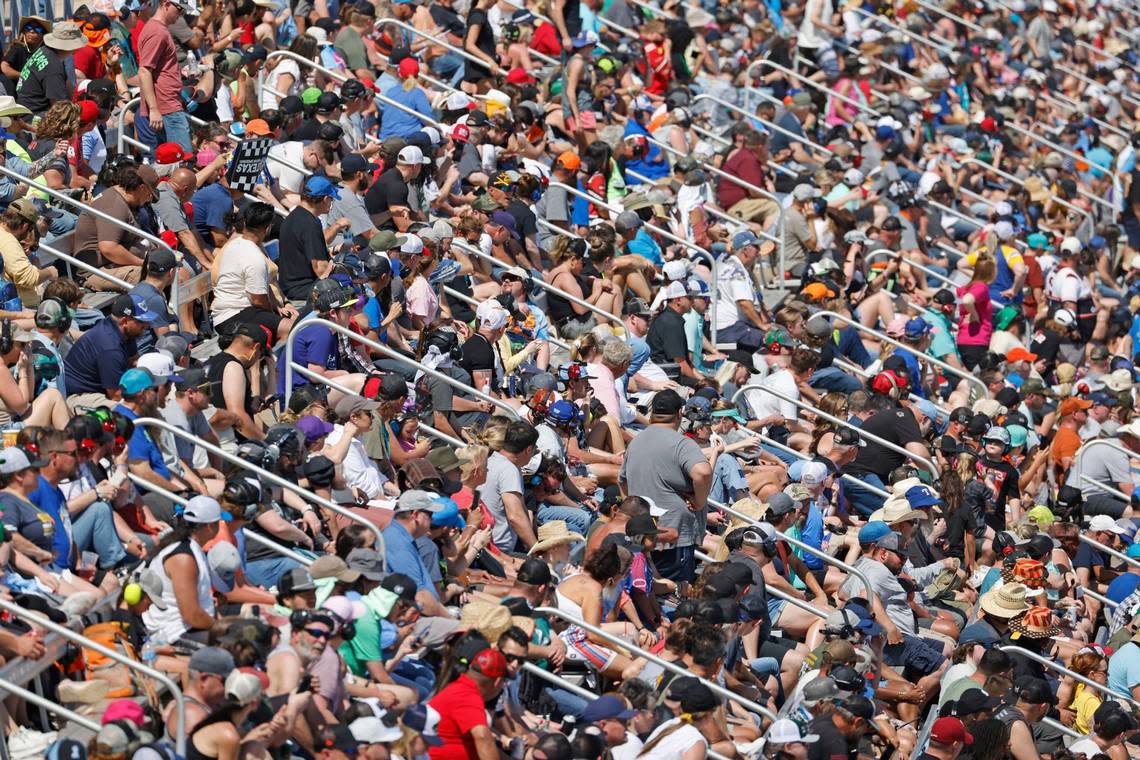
[242, 270]
[1086, 747]
[765, 404]
[812, 36]
[675, 744]
[269, 99]
[359, 471]
[734, 284]
[629, 750]
[1066, 285]
[289, 178]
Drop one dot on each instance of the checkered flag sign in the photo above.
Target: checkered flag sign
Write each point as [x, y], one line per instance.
[248, 162]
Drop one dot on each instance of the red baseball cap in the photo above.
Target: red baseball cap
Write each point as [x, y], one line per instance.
[88, 111]
[520, 76]
[171, 153]
[409, 67]
[461, 133]
[491, 663]
[950, 730]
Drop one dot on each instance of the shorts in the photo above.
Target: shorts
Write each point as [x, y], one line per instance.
[916, 656]
[250, 315]
[597, 657]
[1104, 504]
[678, 564]
[586, 120]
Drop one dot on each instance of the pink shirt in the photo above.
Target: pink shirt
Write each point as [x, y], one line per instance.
[976, 333]
[604, 389]
[422, 300]
[158, 54]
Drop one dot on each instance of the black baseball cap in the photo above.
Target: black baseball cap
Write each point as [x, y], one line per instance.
[962, 415]
[353, 163]
[194, 378]
[291, 105]
[398, 54]
[667, 401]
[642, 525]
[254, 53]
[161, 260]
[534, 572]
[328, 102]
[1039, 547]
[975, 700]
[400, 585]
[719, 586]
[330, 132]
[944, 297]
[849, 437]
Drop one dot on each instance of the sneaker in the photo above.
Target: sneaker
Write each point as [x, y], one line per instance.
[83, 692]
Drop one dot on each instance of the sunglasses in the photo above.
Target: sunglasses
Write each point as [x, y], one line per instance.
[514, 658]
[34, 28]
[319, 633]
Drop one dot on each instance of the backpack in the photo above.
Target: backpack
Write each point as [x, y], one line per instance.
[124, 682]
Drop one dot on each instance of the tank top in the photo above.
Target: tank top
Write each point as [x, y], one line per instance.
[215, 370]
[167, 625]
[193, 753]
[560, 309]
[675, 744]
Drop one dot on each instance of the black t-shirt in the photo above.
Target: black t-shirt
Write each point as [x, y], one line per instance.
[387, 191]
[666, 338]
[896, 425]
[310, 129]
[485, 41]
[301, 243]
[525, 220]
[962, 522]
[832, 745]
[445, 18]
[479, 355]
[1046, 344]
[1001, 477]
[1133, 196]
[15, 56]
[45, 83]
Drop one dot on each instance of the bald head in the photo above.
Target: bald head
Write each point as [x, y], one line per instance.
[183, 182]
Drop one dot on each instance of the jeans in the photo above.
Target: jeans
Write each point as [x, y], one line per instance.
[448, 66]
[861, 500]
[267, 571]
[577, 520]
[567, 701]
[175, 128]
[728, 480]
[94, 531]
[416, 675]
[833, 379]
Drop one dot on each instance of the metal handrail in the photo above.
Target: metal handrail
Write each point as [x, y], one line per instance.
[920, 267]
[920, 39]
[714, 287]
[1098, 545]
[964, 22]
[800, 455]
[1064, 152]
[827, 558]
[439, 434]
[264, 474]
[46, 704]
[771, 125]
[1020, 182]
[36, 619]
[470, 250]
[744, 702]
[967, 376]
[52, 251]
[1046, 662]
[1100, 598]
[1105, 487]
[435, 40]
[395, 355]
[136, 231]
[801, 603]
[254, 535]
[811, 83]
[1112, 444]
[835, 420]
[472, 302]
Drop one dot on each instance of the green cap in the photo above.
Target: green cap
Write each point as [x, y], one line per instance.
[778, 336]
[485, 203]
[386, 240]
[310, 95]
[1038, 241]
[1006, 316]
[733, 413]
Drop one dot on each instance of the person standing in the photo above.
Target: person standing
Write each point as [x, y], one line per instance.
[43, 80]
[671, 470]
[160, 79]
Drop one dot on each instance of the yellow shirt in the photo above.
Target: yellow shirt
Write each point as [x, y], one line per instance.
[1084, 704]
[19, 270]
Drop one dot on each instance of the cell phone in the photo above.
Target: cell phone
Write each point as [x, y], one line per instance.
[306, 684]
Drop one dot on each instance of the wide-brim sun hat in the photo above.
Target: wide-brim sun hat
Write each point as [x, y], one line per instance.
[554, 533]
[1006, 602]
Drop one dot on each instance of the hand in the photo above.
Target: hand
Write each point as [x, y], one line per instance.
[395, 310]
[106, 491]
[154, 118]
[482, 538]
[61, 147]
[452, 174]
[1067, 716]
[299, 700]
[30, 647]
[557, 652]
[388, 700]
[408, 645]
[566, 42]
[894, 635]
[715, 518]
[262, 733]
[646, 638]
[136, 547]
[914, 695]
[312, 522]
[288, 312]
[343, 223]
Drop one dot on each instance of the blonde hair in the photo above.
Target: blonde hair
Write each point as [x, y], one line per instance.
[584, 345]
[493, 435]
[471, 458]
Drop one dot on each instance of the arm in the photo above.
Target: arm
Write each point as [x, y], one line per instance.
[146, 84]
[183, 574]
[519, 519]
[701, 475]
[485, 746]
[117, 254]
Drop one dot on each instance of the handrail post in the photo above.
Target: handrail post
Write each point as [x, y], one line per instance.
[1064, 152]
[671, 667]
[264, 474]
[387, 352]
[928, 464]
[969, 377]
[78, 638]
[46, 704]
[1046, 662]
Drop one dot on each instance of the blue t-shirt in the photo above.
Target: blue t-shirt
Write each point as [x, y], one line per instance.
[141, 448]
[315, 344]
[652, 166]
[402, 556]
[640, 356]
[50, 499]
[1122, 587]
[644, 245]
[1124, 668]
[915, 372]
[400, 123]
[851, 346]
[813, 536]
[211, 204]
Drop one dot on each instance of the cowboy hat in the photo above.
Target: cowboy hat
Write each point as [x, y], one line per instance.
[1005, 602]
[492, 620]
[9, 107]
[897, 510]
[66, 35]
[1036, 623]
[553, 534]
[39, 19]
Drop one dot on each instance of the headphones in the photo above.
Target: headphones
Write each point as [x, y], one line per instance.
[61, 322]
[638, 146]
[845, 631]
[120, 428]
[244, 492]
[889, 383]
[282, 439]
[6, 342]
[447, 341]
[541, 401]
[298, 619]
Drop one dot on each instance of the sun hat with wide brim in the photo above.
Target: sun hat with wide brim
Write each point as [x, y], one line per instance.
[9, 107]
[38, 19]
[492, 620]
[1006, 602]
[66, 35]
[896, 510]
[1036, 623]
[554, 533]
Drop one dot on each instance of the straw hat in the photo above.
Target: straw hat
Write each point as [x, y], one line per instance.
[1005, 602]
[66, 35]
[1035, 186]
[552, 534]
[897, 509]
[492, 620]
[42, 21]
[1036, 623]
[9, 107]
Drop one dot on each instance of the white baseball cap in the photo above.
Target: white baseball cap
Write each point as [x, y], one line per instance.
[785, 731]
[457, 101]
[1071, 245]
[161, 365]
[676, 290]
[491, 315]
[1003, 230]
[412, 244]
[677, 269]
[1105, 523]
[412, 155]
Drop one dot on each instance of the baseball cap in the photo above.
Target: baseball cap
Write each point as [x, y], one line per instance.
[171, 153]
[873, 532]
[744, 238]
[136, 380]
[950, 730]
[667, 401]
[607, 707]
[132, 306]
[15, 459]
[320, 187]
[160, 366]
[410, 154]
[258, 128]
[569, 160]
[534, 572]
[491, 663]
[780, 504]
[415, 500]
[203, 510]
[313, 427]
[848, 437]
[213, 660]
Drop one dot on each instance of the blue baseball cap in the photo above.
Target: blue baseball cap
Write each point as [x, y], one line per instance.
[1097, 241]
[873, 532]
[920, 497]
[136, 380]
[916, 328]
[1133, 551]
[744, 238]
[320, 187]
[607, 707]
[1102, 398]
[867, 622]
[448, 516]
[937, 418]
[884, 133]
[1038, 241]
[134, 307]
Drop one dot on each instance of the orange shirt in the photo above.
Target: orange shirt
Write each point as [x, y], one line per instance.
[1065, 444]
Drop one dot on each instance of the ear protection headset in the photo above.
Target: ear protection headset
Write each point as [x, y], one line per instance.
[111, 424]
[541, 401]
[244, 492]
[6, 342]
[60, 321]
[756, 538]
[638, 146]
[447, 341]
[889, 383]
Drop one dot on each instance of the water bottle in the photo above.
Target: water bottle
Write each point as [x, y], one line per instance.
[150, 650]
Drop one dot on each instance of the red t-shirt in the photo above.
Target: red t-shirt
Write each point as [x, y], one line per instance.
[460, 707]
[89, 63]
[661, 68]
[158, 53]
[744, 165]
[546, 40]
